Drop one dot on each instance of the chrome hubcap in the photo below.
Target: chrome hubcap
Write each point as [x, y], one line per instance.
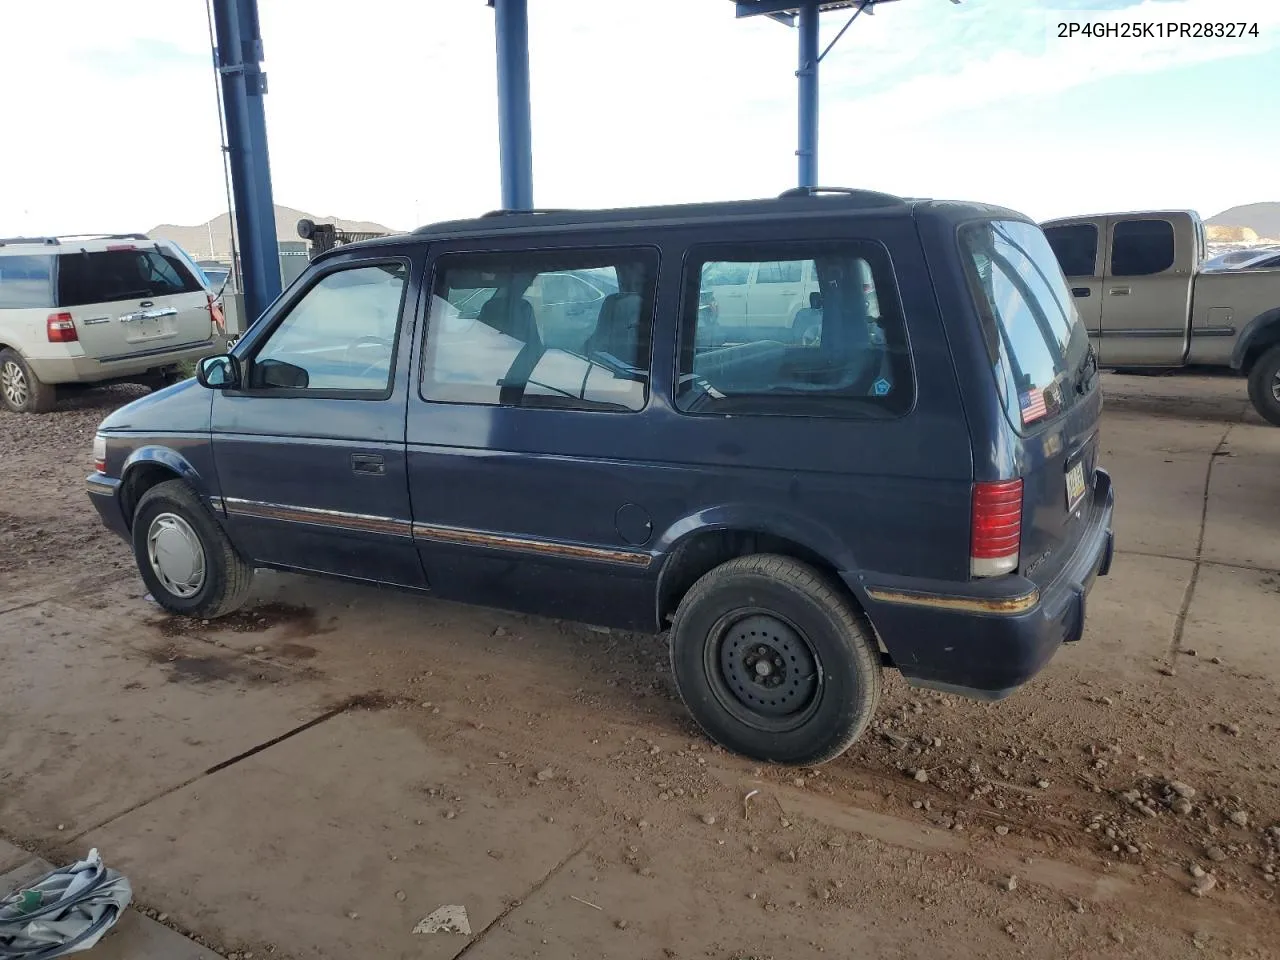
[176, 555]
[13, 383]
[1275, 387]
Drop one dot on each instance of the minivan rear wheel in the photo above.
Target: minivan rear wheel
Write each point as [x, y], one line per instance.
[20, 389]
[774, 662]
[186, 560]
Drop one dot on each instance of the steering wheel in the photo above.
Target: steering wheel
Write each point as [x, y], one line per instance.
[364, 343]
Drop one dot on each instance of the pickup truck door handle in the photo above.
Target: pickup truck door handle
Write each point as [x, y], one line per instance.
[1080, 291]
[1119, 291]
[149, 315]
[368, 465]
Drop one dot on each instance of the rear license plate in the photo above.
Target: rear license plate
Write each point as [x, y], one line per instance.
[1075, 485]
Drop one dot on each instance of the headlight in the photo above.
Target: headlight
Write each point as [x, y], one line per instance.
[100, 453]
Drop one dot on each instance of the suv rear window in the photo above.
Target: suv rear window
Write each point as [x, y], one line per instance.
[122, 275]
[25, 281]
[1035, 340]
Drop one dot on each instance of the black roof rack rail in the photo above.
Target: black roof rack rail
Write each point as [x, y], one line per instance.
[516, 213]
[814, 191]
[54, 241]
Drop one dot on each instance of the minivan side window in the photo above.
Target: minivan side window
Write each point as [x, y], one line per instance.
[340, 337]
[1140, 248]
[1076, 247]
[837, 347]
[568, 330]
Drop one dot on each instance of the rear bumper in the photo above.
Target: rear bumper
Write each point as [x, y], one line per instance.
[104, 494]
[92, 370]
[994, 636]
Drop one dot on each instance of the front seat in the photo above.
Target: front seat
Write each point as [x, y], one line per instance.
[511, 317]
[617, 330]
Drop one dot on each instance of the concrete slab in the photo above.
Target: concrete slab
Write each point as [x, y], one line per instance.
[100, 716]
[134, 937]
[342, 840]
[1234, 617]
[1242, 525]
[11, 856]
[1130, 618]
[1158, 511]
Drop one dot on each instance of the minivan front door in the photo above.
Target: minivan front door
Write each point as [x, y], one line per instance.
[310, 449]
[1147, 291]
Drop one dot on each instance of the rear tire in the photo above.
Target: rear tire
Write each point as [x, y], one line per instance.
[774, 662]
[20, 389]
[1264, 386]
[186, 560]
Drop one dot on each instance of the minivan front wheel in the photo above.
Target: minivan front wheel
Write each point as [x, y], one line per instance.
[774, 662]
[186, 560]
[20, 389]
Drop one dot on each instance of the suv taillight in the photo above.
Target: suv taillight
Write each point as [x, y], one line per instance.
[996, 532]
[61, 328]
[216, 315]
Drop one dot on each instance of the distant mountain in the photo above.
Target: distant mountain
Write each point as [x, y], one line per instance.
[1262, 218]
[211, 240]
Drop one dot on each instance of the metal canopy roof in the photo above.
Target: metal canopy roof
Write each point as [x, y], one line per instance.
[787, 11]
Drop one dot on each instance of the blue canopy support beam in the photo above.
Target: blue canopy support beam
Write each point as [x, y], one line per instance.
[515, 126]
[807, 150]
[238, 59]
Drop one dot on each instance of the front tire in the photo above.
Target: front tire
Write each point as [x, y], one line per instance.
[1264, 386]
[774, 662]
[186, 560]
[20, 389]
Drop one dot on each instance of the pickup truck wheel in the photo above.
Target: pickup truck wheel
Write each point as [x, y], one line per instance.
[185, 558]
[20, 389]
[774, 662]
[1264, 386]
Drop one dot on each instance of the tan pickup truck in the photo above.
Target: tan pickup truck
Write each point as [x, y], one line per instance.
[1138, 287]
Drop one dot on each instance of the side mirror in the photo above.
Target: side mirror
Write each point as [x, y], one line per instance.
[218, 373]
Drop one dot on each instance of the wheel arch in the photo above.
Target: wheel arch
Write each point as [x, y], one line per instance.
[698, 544]
[1260, 334]
[150, 466]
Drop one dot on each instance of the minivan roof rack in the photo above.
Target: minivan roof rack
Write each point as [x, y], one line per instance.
[515, 213]
[814, 191]
[54, 241]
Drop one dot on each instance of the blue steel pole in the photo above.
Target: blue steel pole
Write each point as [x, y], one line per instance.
[807, 152]
[239, 63]
[515, 128]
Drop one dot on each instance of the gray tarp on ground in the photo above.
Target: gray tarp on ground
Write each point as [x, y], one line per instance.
[65, 911]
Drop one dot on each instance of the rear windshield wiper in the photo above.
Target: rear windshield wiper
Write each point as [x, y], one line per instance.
[1088, 371]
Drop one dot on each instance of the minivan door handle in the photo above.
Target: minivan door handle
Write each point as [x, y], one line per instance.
[1080, 291]
[1119, 291]
[368, 464]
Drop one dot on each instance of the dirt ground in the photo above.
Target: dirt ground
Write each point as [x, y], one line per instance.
[315, 775]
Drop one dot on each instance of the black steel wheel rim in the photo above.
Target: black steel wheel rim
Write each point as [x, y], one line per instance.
[764, 670]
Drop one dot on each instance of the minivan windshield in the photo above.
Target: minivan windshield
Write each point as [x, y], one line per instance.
[1039, 349]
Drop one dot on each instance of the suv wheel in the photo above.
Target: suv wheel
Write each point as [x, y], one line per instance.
[1264, 386]
[185, 558]
[20, 389]
[773, 662]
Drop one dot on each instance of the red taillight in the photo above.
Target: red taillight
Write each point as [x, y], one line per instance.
[996, 533]
[121, 246]
[216, 315]
[61, 328]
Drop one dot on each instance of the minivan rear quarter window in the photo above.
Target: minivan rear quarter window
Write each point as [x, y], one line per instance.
[112, 275]
[1035, 340]
[818, 333]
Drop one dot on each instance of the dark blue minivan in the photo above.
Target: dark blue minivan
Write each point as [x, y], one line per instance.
[889, 457]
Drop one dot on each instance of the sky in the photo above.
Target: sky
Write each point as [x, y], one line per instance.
[386, 110]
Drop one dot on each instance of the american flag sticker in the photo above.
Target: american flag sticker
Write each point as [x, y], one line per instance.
[1033, 406]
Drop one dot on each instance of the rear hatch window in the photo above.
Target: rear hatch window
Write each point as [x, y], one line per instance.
[1039, 349]
[25, 281]
[113, 275]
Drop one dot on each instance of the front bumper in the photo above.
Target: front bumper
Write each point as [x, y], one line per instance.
[104, 494]
[997, 635]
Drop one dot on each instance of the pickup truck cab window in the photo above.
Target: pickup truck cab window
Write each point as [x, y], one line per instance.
[1076, 247]
[1140, 248]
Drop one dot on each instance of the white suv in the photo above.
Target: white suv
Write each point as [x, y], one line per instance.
[97, 309]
